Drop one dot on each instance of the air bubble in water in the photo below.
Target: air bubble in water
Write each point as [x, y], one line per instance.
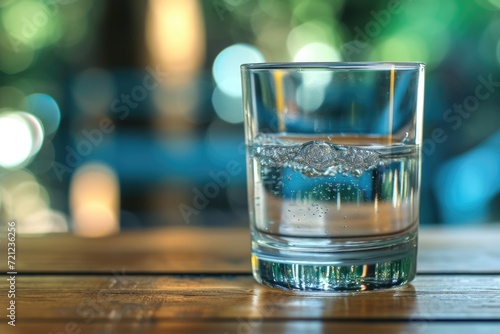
[357, 172]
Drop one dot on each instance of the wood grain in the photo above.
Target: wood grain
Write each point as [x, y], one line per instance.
[194, 250]
[460, 250]
[174, 250]
[191, 280]
[172, 297]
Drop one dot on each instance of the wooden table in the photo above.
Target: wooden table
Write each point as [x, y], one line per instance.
[192, 280]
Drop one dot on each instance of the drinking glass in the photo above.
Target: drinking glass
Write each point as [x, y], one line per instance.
[333, 156]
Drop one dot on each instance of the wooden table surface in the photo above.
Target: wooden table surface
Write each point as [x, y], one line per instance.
[192, 280]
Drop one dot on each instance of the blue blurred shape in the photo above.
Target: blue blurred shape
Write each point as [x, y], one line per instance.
[466, 184]
[45, 108]
[140, 159]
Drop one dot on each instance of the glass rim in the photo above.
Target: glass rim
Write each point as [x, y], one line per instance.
[367, 65]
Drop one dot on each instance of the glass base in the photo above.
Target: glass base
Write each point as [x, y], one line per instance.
[375, 274]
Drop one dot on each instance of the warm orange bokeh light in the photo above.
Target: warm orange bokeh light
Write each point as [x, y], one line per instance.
[94, 200]
[175, 36]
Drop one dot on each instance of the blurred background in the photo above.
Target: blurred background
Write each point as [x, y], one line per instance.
[126, 114]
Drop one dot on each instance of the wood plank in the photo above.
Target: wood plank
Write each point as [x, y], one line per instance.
[197, 250]
[173, 250]
[254, 327]
[471, 249]
[153, 298]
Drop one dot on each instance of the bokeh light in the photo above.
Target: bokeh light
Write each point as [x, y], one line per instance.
[29, 197]
[467, 183]
[403, 48]
[21, 137]
[44, 221]
[308, 33]
[228, 108]
[15, 177]
[174, 37]
[94, 200]
[45, 108]
[32, 23]
[306, 10]
[226, 67]
[271, 38]
[317, 51]
[23, 197]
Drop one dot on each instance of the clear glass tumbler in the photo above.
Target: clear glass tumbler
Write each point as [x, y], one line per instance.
[333, 155]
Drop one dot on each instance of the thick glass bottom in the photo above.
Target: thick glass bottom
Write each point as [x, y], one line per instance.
[344, 275]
